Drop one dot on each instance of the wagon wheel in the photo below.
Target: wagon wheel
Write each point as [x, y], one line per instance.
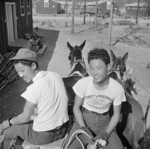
[105, 15]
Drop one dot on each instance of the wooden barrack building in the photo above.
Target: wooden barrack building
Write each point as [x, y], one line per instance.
[16, 20]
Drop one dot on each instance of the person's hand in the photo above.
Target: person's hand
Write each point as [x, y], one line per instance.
[87, 130]
[103, 135]
[4, 125]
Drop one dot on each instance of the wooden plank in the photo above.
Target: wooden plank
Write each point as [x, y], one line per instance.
[12, 143]
[7, 71]
[3, 31]
[42, 50]
[19, 43]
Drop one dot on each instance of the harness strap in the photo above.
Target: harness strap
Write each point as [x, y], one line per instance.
[76, 73]
[75, 135]
[78, 61]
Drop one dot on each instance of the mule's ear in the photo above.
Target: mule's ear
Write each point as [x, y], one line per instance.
[82, 45]
[69, 46]
[112, 55]
[125, 57]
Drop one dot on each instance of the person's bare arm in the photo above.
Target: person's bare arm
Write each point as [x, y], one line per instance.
[104, 134]
[25, 115]
[78, 115]
[77, 110]
[20, 119]
[114, 119]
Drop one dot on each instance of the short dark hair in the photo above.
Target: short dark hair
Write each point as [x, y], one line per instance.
[98, 53]
[26, 62]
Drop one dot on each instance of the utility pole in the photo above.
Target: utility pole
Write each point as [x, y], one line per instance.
[137, 12]
[148, 4]
[84, 11]
[111, 20]
[66, 9]
[72, 26]
[96, 8]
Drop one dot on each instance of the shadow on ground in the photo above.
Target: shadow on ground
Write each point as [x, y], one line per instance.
[11, 104]
[50, 39]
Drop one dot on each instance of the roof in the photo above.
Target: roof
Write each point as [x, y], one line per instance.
[80, 2]
[136, 4]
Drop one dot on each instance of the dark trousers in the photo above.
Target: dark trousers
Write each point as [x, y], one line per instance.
[96, 123]
[26, 132]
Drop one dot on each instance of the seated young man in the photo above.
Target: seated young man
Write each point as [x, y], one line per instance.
[46, 93]
[94, 96]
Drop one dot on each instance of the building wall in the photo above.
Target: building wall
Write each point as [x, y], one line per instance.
[51, 8]
[101, 8]
[142, 12]
[24, 22]
[3, 35]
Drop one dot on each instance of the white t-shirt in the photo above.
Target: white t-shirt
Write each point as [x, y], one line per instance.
[48, 92]
[99, 100]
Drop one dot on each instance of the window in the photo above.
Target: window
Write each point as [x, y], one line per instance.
[46, 3]
[134, 7]
[28, 7]
[22, 7]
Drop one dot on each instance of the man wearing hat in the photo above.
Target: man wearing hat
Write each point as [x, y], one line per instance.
[47, 94]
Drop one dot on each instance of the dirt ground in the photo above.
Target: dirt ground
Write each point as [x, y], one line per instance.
[126, 38]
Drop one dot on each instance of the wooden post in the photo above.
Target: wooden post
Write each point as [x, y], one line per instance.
[96, 8]
[148, 11]
[72, 26]
[137, 12]
[146, 114]
[145, 122]
[66, 9]
[110, 23]
[84, 12]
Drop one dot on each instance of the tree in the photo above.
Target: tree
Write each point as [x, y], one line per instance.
[84, 11]
[148, 10]
[96, 8]
[111, 20]
[72, 25]
[66, 11]
[137, 12]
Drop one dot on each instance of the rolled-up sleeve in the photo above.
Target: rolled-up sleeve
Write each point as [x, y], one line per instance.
[30, 94]
[79, 88]
[120, 97]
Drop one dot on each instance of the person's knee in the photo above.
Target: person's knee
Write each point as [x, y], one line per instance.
[10, 133]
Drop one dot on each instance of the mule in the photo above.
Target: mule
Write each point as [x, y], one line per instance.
[75, 52]
[78, 71]
[131, 126]
[119, 64]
